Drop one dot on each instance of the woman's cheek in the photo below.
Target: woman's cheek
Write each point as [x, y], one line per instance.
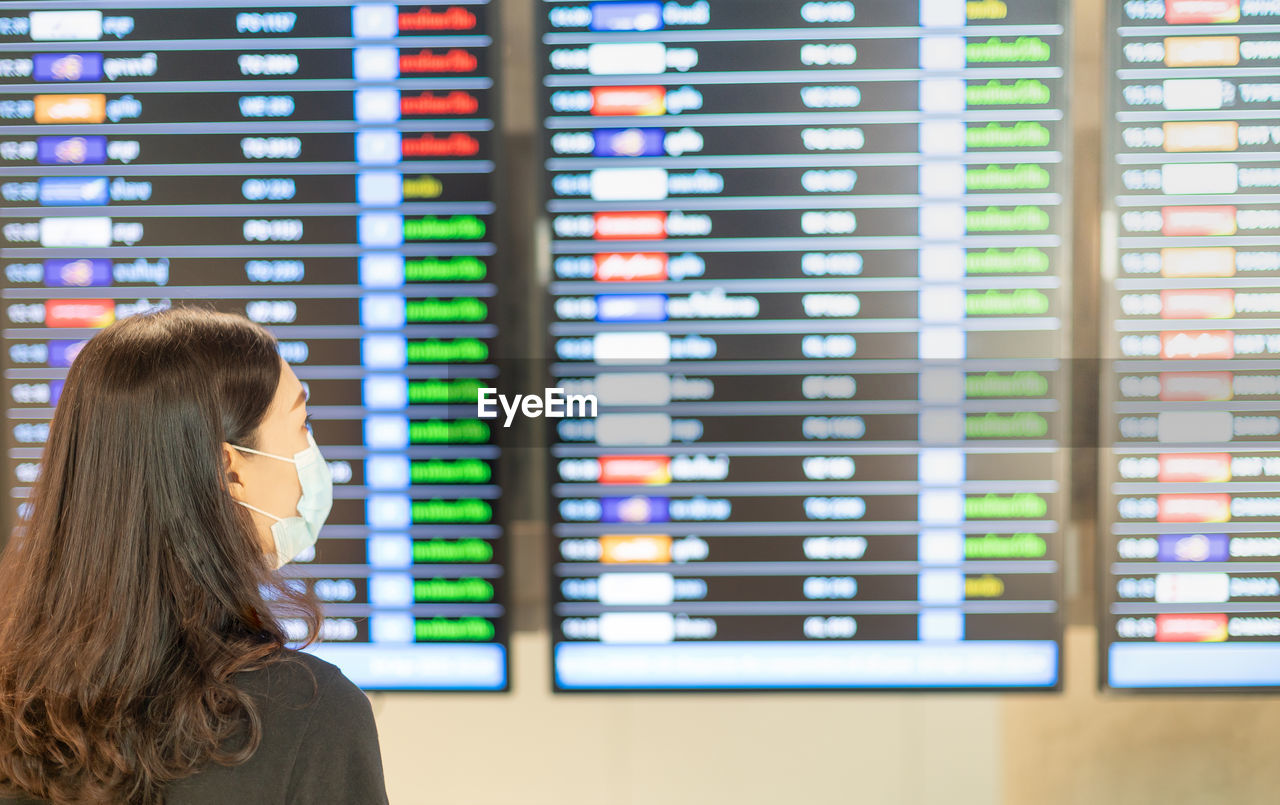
[287, 490]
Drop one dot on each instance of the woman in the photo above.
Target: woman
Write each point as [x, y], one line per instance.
[139, 661]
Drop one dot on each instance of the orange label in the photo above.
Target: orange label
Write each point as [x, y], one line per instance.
[1202, 51]
[71, 108]
[618, 548]
[1215, 261]
[1218, 135]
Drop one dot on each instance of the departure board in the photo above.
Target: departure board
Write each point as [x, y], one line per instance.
[325, 169]
[1190, 549]
[809, 258]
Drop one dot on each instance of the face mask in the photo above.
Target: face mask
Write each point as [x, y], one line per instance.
[293, 535]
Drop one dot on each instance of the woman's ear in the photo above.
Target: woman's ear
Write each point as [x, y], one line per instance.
[233, 464]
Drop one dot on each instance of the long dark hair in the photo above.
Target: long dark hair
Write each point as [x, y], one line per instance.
[135, 586]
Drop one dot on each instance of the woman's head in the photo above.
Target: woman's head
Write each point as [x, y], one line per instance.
[136, 584]
[268, 479]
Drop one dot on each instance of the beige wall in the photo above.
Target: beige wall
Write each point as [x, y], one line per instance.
[533, 748]
[1077, 748]
[529, 747]
[1084, 748]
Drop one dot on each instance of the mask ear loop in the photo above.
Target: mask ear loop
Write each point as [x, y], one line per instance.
[268, 455]
[260, 511]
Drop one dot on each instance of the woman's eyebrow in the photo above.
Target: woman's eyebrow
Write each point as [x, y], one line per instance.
[302, 397]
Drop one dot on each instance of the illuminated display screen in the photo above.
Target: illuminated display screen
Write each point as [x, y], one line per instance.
[1190, 549]
[809, 258]
[326, 170]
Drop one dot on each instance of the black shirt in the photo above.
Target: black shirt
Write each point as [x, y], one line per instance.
[313, 750]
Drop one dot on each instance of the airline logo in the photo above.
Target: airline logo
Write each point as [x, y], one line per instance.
[1221, 135]
[1194, 468]
[79, 312]
[79, 232]
[633, 142]
[635, 509]
[80, 272]
[649, 470]
[632, 347]
[1192, 12]
[630, 225]
[626, 16]
[62, 353]
[633, 388]
[1195, 386]
[1198, 221]
[71, 108]
[609, 101]
[1197, 93]
[627, 58]
[72, 191]
[1210, 508]
[1191, 628]
[631, 307]
[65, 26]
[1210, 261]
[631, 267]
[1207, 303]
[647, 548]
[1194, 427]
[1200, 178]
[1193, 588]
[67, 67]
[1201, 51]
[1192, 548]
[1189, 345]
[71, 150]
[628, 184]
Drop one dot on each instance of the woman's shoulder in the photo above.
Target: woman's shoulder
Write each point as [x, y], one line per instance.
[333, 749]
[318, 741]
[288, 665]
[299, 680]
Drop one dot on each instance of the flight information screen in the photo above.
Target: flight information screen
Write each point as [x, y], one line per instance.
[809, 259]
[325, 169]
[1190, 548]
